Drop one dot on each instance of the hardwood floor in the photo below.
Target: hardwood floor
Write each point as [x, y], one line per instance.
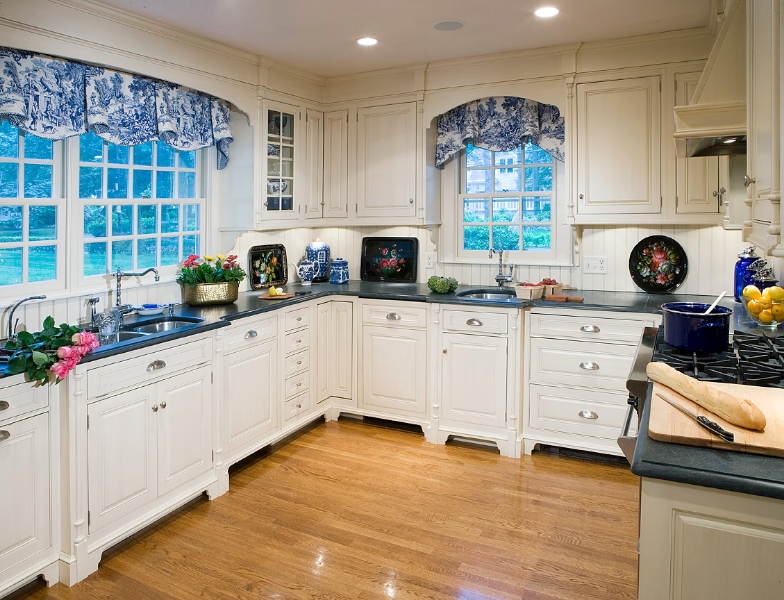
[349, 510]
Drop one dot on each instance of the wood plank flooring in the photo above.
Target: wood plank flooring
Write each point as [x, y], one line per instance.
[349, 510]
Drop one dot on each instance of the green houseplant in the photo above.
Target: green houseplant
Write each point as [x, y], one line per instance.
[211, 280]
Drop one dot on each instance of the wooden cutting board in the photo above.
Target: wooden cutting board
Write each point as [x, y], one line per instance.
[278, 297]
[668, 424]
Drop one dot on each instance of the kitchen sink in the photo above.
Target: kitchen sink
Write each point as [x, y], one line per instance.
[487, 294]
[129, 335]
[159, 325]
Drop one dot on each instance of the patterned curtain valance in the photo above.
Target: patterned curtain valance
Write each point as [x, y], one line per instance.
[500, 123]
[56, 99]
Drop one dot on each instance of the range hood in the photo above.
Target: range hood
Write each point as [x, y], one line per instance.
[716, 112]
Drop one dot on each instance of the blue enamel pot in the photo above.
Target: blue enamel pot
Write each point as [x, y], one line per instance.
[687, 328]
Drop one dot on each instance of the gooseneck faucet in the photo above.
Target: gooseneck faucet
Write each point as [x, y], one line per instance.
[502, 278]
[119, 274]
[11, 323]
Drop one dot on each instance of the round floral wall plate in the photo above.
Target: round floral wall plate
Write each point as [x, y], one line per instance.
[658, 264]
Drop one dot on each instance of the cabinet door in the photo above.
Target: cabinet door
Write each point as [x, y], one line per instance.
[473, 376]
[184, 427]
[386, 160]
[393, 369]
[618, 146]
[314, 146]
[25, 494]
[343, 349]
[281, 146]
[325, 349]
[336, 164]
[121, 455]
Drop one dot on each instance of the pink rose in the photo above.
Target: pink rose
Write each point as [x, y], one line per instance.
[393, 262]
[61, 369]
[68, 352]
[661, 278]
[384, 251]
[384, 263]
[659, 256]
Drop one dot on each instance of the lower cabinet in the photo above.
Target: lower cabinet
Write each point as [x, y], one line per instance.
[335, 329]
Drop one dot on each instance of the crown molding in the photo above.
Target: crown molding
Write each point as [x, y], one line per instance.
[647, 39]
[379, 73]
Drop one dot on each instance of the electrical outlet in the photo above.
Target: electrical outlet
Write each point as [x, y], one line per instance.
[595, 264]
[430, 260]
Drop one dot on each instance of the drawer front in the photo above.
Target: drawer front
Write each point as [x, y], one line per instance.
[296, 363]
[593, 329]
[296, 406]
[297, 340]
[297, 318]
[297, 384]
[139, 371]
[475, 322]
[584, 412]
[565, 362]
[394, 315]
[249, 332]
[22, 398]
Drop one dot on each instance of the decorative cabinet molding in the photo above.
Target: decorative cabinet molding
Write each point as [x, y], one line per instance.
[335, 202]
[314, 163]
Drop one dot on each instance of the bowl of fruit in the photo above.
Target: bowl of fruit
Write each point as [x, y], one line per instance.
[529, 291]
[551, 286]
[765, 307]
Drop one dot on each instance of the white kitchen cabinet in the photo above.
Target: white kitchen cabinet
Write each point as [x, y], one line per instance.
[386, 151]
[314, 163]
[619, 146]
[334, 349]
[335, 198]
[296, 392]
[282, 143]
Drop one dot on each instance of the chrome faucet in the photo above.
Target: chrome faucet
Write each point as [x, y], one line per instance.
[11, 323]
[502, 278]
[119, 274]
[92, 303]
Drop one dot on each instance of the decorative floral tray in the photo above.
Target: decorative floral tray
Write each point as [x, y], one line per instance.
[389, 259]
[658, 264]
[267, 265]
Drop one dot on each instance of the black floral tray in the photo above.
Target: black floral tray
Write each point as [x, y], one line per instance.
[389, 259]
[658, 264]
[267, 266]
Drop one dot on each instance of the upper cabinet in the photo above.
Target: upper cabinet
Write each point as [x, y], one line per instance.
[314, 148]
[335, 199]
[282, 144]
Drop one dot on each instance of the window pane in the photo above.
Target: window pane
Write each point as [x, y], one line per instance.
[10, 266]
[191, 221]
[142, 184]
[272, 203]
[476, 210]
[187, 159]
[476, 238]
[42, 263]
[90, 182]
[538, 179]
[287, 203]
[287, 153]
[187, 184]
[534, 154]
[122, 255]
[117, 183]
[478, 157]
[142, 154]
[95, 258]
[122, 219]
[148, 219]
[513, 157]
[165, 155]
[36, 147]
[117, 155]
[170, 247]
[506, 210]
[95, 222]
[37, 181]
[10, 223]
[147, 253]
[507, 180]
[43, 223]
[170, 218]
[190, 245]
[506, 237]
[287, 129]
[478, 181]
[90, 148]
[164, 184]
[9, 140]
[9, 180]
[536, 238]
[536, 208]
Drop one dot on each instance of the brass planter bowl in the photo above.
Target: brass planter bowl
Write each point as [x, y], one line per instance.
[205, 294]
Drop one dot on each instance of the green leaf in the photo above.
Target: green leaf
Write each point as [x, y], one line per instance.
[40, 358]
[25, 337]
[49, 322]
[17, 364]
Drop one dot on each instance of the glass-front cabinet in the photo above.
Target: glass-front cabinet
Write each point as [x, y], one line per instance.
[281, 145]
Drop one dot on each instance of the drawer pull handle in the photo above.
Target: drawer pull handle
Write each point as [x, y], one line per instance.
[590, 329]
[250, 334]
[4, 405]
[163, 404]
[393, 317]
[474, 322]
[589, 366]
[299, 362]
[155, 366]
[4, 435]
[587, 414]
[154, 408]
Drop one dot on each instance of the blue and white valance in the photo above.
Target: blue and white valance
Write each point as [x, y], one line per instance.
[56, 99]
[500, 123]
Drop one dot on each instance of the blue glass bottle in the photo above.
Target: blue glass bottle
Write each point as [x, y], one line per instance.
[745, 258]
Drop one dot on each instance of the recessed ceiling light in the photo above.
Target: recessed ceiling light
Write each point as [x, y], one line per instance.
[449, 25]
[367, 41]
[546, 11]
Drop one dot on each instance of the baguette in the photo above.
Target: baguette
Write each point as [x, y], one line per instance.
[737, 411]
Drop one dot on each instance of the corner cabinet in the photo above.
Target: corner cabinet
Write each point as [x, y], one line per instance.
[282, 143]
[335, 336]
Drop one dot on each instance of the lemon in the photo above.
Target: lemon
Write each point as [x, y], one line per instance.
[766, 293]
[752, 292]
[776, 293]
[754, 307]
[272, 292]
[778, 312]
[765, 316]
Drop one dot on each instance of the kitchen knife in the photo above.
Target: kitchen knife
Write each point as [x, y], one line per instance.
[702, 421]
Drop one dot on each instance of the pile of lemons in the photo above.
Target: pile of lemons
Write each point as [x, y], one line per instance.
[766, 306]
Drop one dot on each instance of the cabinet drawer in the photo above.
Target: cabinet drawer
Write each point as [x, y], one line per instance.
[395, 315]
[297, 340]
[22, 398]
[475, 322]
[296, 406]
[297, 384]
[590, 328]
[297, 318]
[296, 363]
[136, 372]
[249, 332]
[585, 364]
[584, 412]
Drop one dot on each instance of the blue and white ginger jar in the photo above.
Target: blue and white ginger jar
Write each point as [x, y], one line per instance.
[338, 272]
[318, 253]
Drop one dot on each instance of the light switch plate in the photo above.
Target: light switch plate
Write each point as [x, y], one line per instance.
[595, 264]
[430, 260]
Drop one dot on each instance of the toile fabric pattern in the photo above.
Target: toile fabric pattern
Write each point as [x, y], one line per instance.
[56, 99]
[500, 123]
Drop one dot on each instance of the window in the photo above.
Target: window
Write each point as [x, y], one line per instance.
[31, 245]
[506, 201]
[139, 205]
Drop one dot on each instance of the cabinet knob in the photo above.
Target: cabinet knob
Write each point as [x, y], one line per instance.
[474, 322]
[299, 384]
[154, 408]
[590, 329]
[747, 181]
[299, 341]
[393, 317]
[299, 406]
[587, 414]
[155, 366]
[299, 318]
[581, 196]
[250, 334]
[589, 366]
[444, 350]
[4, 405]
[411, 201]
[4, 435]
[299, 362]
[163, 404]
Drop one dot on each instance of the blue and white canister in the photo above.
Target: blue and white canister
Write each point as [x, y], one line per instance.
[318, 253]
[338, 271]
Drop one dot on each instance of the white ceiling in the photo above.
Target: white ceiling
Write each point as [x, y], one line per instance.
[319, 36]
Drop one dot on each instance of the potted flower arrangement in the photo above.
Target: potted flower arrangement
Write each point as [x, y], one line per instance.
[52, 352]
[211, 280]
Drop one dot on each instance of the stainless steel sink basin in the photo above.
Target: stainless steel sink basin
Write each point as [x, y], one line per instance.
[129, 335]
[487, 294]
[159, 325]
